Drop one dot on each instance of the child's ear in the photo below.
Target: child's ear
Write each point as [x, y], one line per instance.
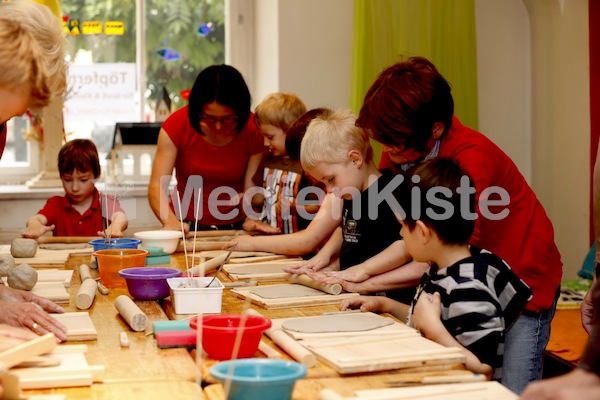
[438, 129]
[355, 158]
[424, 232]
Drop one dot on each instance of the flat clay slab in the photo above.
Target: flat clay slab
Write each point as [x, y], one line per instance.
[337, 323]
[290, 302]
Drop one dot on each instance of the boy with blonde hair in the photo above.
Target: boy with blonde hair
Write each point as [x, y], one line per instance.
[279, 175]
[338, 153]
[81, 212]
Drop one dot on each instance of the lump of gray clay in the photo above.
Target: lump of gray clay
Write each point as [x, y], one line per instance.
[23, 248]
[22, 277]
[7, 262]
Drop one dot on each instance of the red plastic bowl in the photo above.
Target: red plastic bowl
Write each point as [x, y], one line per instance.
[148, 283]
[219, 332]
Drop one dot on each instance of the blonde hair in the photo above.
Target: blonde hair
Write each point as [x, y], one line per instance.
[279, 110]
[32, 53]
[329, 138]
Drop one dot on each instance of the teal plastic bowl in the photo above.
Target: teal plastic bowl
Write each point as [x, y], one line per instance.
[259, 378]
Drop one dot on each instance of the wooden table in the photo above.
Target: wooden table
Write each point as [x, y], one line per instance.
[143, 369]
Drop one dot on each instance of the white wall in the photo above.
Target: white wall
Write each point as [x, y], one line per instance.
[504, 78]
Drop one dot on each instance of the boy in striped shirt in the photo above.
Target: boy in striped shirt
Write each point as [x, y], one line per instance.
[470, 298]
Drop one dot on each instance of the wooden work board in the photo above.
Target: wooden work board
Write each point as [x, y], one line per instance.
[79, 325]
[488, 390]
[44, 257]
[260, 271]
[349, 355]
[289, 302]
[72, 370]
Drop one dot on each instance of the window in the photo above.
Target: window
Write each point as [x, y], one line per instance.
[108, 60]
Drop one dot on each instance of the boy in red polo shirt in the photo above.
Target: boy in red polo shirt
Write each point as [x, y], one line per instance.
[81, 211]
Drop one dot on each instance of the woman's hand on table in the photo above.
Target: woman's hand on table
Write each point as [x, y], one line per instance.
[16, 332]
[260, 226]
[354, 274]
[240, 243]
[33, 317]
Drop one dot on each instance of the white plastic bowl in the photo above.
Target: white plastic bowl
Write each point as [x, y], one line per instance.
[168, 240]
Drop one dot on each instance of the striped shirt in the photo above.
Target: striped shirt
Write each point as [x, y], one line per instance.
[481, 298]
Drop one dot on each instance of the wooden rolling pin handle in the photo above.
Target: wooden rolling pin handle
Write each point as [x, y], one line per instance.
[85, 294]
[209, 265]
[289, 345]
[84, 272]
[131, 313]
[306, 280]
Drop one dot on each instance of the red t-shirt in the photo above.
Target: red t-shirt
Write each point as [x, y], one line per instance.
[525, 238]
[223, 166]
[68, 221]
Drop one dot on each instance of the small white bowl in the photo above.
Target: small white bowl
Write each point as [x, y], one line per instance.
[168, 240]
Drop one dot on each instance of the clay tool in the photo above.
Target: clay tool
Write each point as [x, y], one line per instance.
[439, 379]
[170, 339]
[221, 267]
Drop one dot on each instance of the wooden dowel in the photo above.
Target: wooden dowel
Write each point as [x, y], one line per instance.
[208, 265]
[66, 239]
[84, 272]
[131, 313]
[306, 280]
[85, 294]
[268, 350]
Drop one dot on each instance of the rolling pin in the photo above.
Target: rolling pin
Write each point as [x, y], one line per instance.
[84, 272]
[86, 293]
[131, 313]
[208, 265]
[306, 280]
[283, 340]
[66, 239]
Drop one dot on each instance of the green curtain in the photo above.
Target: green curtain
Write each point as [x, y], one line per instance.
[385, 31]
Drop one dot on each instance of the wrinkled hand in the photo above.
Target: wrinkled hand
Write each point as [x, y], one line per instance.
[578, 384]
[35, 232]
[428, 311]
[33, 317]
[23, 296]
[364, 303]
[354, 274]
[316, 263]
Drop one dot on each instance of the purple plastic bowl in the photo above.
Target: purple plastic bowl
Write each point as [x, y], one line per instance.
[148, 283]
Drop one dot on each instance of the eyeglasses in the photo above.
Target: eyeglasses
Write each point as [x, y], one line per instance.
[226, 120]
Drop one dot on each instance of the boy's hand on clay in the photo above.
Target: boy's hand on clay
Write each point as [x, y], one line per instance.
[364, 303]
[316, 263]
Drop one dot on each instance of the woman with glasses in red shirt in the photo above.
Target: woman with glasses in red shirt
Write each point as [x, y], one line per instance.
[215, 148]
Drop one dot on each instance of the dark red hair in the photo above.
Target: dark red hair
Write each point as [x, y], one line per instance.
[404, 102]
